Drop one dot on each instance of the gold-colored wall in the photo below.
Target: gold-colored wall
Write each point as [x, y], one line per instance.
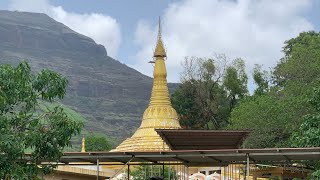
[66, 176]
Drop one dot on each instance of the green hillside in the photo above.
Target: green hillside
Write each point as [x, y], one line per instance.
[109, 95]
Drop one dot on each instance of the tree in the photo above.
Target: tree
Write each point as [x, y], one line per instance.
[300, 62]
[201, 93]
[184, 102]
[209, 91]
[308, 135]
[262, 115]
[261, 80]
[276, 108]
[97, 142]
[235, 82]
[24, 128]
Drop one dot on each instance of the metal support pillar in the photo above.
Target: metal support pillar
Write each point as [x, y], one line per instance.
[239, 169]
[248, 167]
[128, 172]
[169, 169]
[180, 176]
[184, 172]
[178, 172]
[228, 168]
[151, 170]
[163, 171]
[231, 169]
[187, 172]
[97, 169]
[145, 171]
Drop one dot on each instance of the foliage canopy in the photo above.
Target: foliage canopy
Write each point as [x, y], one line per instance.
[97, 142]
[280, 101]
[24, 128]
[210, 89]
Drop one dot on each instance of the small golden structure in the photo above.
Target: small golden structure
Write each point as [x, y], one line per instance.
[83, 147]
[159, 115]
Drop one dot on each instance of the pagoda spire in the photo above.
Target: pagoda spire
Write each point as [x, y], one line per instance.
[159, 28]
[159, 114]
[159, 51]
[160, 92]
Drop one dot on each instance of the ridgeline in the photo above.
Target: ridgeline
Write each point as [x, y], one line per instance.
[108, 94]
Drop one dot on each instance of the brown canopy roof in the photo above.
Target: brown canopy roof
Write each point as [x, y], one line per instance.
[182, 139]
[196, 157]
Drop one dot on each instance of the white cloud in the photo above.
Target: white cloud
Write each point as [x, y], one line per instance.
[101, 28]
[250, 29]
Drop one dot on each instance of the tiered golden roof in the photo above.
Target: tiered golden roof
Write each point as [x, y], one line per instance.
[159, 115]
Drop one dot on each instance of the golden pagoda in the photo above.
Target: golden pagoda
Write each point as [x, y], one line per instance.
[159, 115]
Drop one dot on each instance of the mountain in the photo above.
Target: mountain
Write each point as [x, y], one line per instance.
[108, 94]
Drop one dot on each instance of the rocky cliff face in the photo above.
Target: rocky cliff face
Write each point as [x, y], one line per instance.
[111, 96]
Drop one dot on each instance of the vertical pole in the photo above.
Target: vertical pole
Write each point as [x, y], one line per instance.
[169, 168]
[145, 171]
[187, 172]
[239, 169]
[184, 172]
[163, 170]
[181, 172]
[229, 172]
[178, 171]
[97, 169]
[180, 177]
[248, 167]
[182, 169]
[128, 172]
[224, 173]
[231, 169]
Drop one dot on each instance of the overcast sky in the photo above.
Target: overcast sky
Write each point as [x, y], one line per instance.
[251, 29]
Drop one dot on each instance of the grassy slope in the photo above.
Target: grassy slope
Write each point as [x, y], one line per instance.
[72, 114]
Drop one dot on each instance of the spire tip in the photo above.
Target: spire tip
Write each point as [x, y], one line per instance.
[159, 51]
[159, 28]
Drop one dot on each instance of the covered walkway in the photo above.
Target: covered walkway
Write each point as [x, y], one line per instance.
[184, 159]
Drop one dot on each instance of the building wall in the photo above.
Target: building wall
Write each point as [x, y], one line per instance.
[66, 176]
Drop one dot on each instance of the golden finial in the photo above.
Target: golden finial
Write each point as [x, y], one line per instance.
[83, 149]
[159, 51]
[159, 28]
